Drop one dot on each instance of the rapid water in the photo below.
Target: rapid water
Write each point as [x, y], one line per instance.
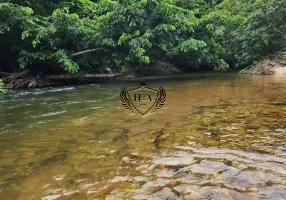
[219, 136]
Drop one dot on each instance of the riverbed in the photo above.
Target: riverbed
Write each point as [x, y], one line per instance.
[219, 136]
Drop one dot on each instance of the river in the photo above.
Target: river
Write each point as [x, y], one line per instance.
[219, 136]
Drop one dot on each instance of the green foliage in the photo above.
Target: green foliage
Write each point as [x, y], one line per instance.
[190, 45]
[14, 15]
[222, 65]
[190, 34]
[246, 29]
[2, 90]
[60, 56]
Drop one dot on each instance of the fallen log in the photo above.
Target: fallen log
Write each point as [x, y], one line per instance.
[4, 74]
[25, 80]
[15, 76]
[89, 76]
[18, 80]
[71, 76]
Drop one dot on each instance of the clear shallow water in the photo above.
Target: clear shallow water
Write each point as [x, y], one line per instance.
[218, 137]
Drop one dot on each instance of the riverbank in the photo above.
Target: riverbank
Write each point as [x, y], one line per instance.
[28, 79]
[272, 66]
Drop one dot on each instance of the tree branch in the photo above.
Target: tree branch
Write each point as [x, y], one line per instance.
[278, 31]
[86, 51]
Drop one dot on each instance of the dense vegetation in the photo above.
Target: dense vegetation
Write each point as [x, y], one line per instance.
[53, 36]
[2, 90]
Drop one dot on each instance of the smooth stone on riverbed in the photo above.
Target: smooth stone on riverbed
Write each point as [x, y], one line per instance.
[280, 130]
[273, 192]
[125, 160]
[166, 173]
[208, 133]
[165, 193]
[120, 178]
[247, 179]
[171, 161]
[208, 167]
[217, 193]
[159, 182]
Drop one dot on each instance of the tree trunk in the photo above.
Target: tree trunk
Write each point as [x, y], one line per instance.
[26, 80]
[90, 76]
[19, 80]
[13, 77]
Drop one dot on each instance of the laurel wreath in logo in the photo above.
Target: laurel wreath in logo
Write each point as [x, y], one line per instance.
[159, 102]
[125, 100]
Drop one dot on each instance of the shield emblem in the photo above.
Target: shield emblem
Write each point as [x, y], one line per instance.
[143, 99]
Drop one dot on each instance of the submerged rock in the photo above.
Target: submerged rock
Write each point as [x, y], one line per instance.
[175, 160]
[208, 167]
[126, 160]
[208, 133]
[247, 179]
[165, 193]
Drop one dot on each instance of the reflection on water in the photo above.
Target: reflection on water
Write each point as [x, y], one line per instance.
[218, 137]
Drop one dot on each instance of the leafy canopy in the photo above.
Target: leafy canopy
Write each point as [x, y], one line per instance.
[190, 34]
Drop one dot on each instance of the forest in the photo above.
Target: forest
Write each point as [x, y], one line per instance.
[143, 99]
[60, 37]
